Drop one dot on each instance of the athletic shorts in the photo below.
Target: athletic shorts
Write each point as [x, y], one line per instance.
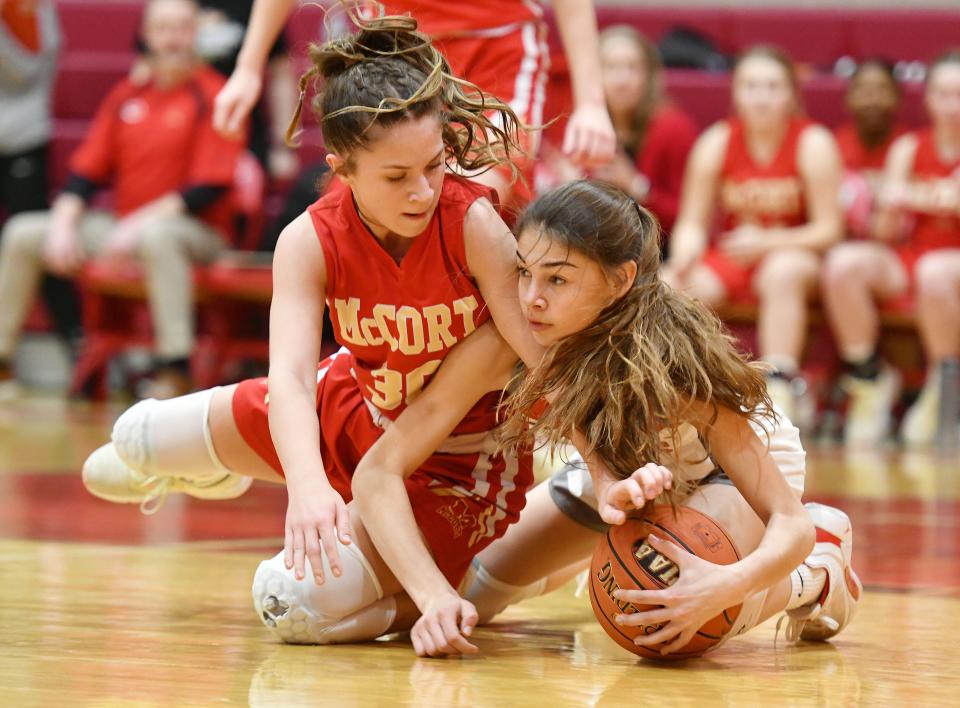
[463, 497]
[511, 63]
[737, 279]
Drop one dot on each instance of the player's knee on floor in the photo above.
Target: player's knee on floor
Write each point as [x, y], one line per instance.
[348, 608]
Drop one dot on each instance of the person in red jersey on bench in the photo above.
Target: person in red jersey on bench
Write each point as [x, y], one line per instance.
[873, 102]
[772, 177]
[916, 250]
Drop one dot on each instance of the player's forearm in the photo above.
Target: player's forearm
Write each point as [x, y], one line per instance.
[384, 506]
[266, 20]
[815, 235]
[295, 429]
[788, 539]
[577, 23]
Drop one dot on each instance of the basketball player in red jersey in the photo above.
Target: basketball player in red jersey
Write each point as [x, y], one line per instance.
[773, 178]
[499, 45]
[873, 101]
[411, 261]
[665, 393]
[917, 248]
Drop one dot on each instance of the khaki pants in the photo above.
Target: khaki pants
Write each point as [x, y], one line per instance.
[167, 248]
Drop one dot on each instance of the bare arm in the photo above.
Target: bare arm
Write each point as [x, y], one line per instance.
[789, 534]
[698, 199]
[381, 497]
[315, 511]
[479, 364]
[590, 138]
[492, 259]
[237, 98]
[888, 223]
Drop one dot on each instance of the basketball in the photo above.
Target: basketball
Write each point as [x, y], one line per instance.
[623, 560]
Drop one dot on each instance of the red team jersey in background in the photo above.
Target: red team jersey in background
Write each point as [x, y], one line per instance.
[445, 18]
[766, 195]
[935, 198]
[146, 142]
[856, 156]
[396, 323]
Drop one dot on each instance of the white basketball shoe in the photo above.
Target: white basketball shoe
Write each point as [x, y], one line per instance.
[837, 604]
[108, 477]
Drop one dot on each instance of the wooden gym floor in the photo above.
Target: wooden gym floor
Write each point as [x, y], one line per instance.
[102, 606]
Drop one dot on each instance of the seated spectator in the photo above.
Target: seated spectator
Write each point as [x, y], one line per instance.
[917, 248]
[653, 134]
[29, 45]
[772, 178]
[170, 173]
[873, 102]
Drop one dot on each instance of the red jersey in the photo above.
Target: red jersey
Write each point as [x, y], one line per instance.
[449, 18]
[147, 142]
[857, 156]
[934, 197]
[662, 158]
[400, 320]
[765, 195]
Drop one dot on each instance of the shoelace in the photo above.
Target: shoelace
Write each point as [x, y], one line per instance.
[158, 487]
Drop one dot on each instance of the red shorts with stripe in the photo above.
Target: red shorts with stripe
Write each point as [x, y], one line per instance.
[463, 497]
[737, 279]
[511, 63]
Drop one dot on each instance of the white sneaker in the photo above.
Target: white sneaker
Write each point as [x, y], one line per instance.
[106, 476]
[868, 412]
[837, 604]
[919, 427]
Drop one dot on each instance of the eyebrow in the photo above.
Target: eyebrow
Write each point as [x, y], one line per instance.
[551, 264]
[407, 167]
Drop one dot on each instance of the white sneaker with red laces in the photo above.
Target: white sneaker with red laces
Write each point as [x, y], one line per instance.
[837, 604]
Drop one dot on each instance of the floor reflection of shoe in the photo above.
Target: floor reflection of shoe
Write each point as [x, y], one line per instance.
[869, 406]
[837, 604]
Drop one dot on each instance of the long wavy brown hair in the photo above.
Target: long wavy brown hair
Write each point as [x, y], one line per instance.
[387, 72]
[628, 380]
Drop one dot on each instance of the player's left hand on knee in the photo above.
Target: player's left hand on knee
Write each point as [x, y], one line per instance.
[444, 626]
[702, 591]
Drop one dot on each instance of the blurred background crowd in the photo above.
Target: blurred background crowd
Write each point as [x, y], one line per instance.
[802, 163]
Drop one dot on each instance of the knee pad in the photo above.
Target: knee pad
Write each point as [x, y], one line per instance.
[344, 609]
[490, 595]
[171, 436]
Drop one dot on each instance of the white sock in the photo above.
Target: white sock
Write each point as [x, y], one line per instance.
[783, 363]
[491, 595]
[806, 584]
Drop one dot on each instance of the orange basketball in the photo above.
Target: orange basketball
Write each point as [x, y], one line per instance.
[623, 559]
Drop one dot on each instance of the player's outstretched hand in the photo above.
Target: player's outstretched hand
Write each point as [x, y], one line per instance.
[589, 139]
[626, 495]
[316, 517]
[235, 101]
[444, 627]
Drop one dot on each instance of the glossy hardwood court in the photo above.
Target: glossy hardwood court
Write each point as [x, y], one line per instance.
[102, 606]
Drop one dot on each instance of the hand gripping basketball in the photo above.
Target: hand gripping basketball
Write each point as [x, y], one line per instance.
[702, 591]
